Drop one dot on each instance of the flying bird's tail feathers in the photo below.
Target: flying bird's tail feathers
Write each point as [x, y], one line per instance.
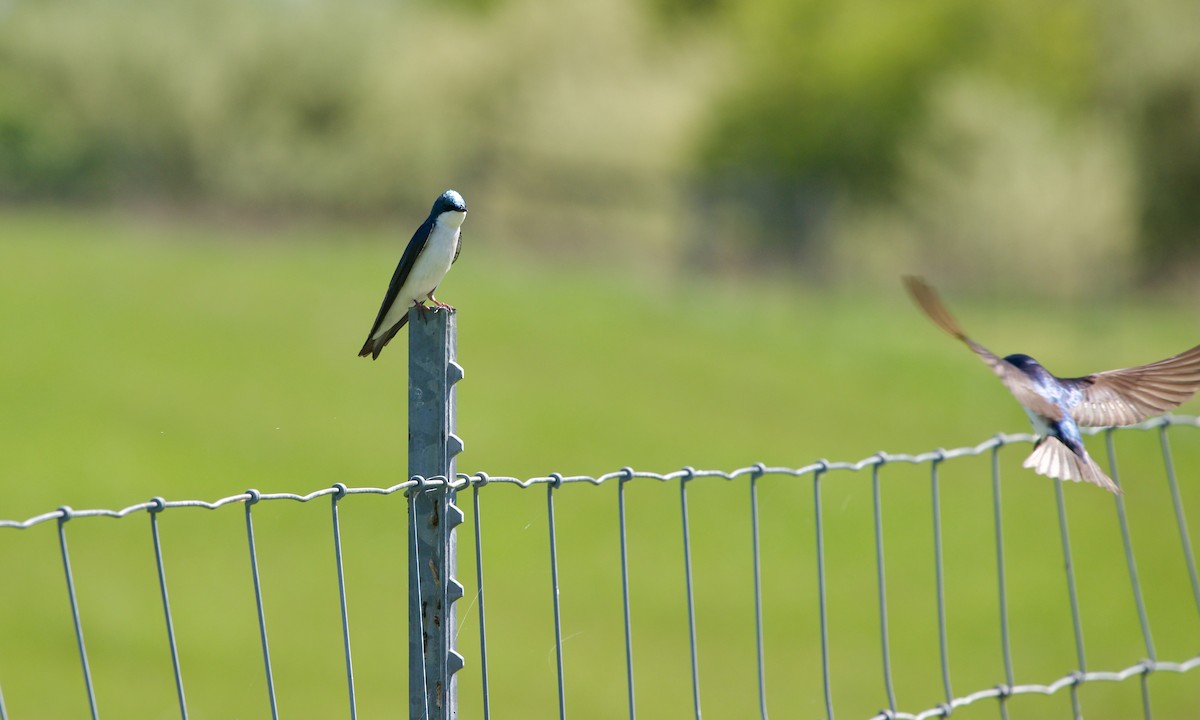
[374, 345]
[1054, 459]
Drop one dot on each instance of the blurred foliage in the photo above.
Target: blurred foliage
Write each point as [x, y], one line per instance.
[329, 106]
[247, 103]
[979, 200]
[830, 87]
[1152, 77]
[985, 130]
[840, 135]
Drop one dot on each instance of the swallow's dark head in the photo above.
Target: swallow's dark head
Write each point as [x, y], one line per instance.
[449, 201]
[1022, 361]
[1028, 365]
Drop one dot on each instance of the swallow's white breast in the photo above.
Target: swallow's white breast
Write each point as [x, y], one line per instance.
[1040, 425]
[430, 267]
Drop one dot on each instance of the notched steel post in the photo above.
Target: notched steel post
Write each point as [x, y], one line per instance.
[432, 551]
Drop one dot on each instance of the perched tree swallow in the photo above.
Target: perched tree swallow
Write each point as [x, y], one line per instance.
[1058, 406]
[433, 249]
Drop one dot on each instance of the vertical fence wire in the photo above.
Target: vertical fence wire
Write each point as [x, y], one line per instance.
[821, 593]
[1073, 596]
[162, 586]
[758, 605]
[943, 643]
[1127, 542]
[65, 515]
[1180, 519]
[627, 475]
[1001, 584]
[558, 642]
[1131, 564]
[691, 600]
[881, 582]
[341, 581]
[415, 572]
[258, 600]
[483, 655]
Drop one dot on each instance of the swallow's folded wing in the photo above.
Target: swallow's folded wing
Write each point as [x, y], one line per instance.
[1017, 382]
[1124, 397]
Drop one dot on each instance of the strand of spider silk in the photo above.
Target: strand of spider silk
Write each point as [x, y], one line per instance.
[758, 609]
[558, 644]
[882, 585]
[1180, 518]
[943, 645]
[691, 601]
[625, 592]
[483, 654]
[1072, 594]
[821, 595]
[341, 581]
[262, 618]
[162, 586]
[1131, 564]
[1001, 584]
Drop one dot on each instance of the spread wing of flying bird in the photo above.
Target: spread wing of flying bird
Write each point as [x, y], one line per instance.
[1131, 395]
[1017, 382]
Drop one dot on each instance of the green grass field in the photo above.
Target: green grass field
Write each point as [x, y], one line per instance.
[159, 357]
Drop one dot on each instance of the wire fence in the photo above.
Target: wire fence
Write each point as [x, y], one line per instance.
[745, 596]
[751, 477]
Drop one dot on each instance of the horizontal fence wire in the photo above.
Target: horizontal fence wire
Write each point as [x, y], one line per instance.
[467, 480]
[817, 472]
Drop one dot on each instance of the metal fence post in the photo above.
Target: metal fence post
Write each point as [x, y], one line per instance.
[432, 446]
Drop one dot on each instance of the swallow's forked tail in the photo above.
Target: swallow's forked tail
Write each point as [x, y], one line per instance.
[374, 345]
[1054, 459]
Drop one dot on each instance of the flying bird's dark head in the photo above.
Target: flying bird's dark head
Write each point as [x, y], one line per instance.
[449, 201]
[1026, 364]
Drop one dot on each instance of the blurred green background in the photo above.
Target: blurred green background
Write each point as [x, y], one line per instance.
[687, 222]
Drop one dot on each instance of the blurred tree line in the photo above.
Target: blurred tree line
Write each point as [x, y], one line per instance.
[965, 130]
[850, 135]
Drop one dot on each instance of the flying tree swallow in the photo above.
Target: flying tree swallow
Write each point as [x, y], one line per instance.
[1058, 406]
[433, 249]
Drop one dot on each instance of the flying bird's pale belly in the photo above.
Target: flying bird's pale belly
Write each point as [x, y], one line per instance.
[430, 267]
[1040, 426]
